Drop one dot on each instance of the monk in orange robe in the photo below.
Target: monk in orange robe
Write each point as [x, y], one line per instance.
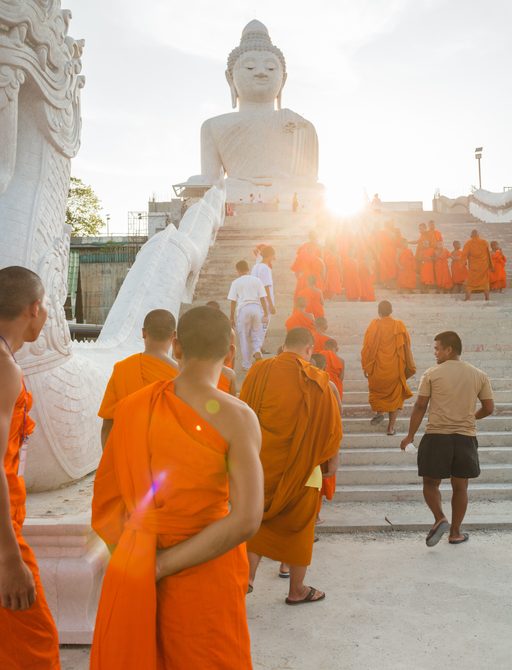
[334, 365]
[333, 285]
[314, 298]
[301, 428]
[442, 273]
[365, 275]
[434, 236]
[498, 276]
[420, 243]
[29, 637]
[427, 276]
[388, 269]
[320, 336]
[299, 317]
[387, 363]
[459, 268]
[478, 256]
[178, 490]
[308, 262]
[351, 282]
[406, 280]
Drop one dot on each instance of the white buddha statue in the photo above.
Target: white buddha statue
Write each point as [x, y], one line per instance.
[259, 147]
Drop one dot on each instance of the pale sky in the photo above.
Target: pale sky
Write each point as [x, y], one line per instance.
[400, 92]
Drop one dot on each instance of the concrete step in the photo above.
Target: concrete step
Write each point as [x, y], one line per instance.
[359, 425]
[394, 456]
[391, 516]
[377, 475]
[361, 397]
[361, 384]
[413, 492]
[379, 440]
[364, 411]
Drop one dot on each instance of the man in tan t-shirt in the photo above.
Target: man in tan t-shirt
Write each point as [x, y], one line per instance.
[449, 447]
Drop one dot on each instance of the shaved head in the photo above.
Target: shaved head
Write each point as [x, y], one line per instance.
[19, 288]
[159, 325]
[474, 233]
[204, 333]
[385, 308]
[298, 338]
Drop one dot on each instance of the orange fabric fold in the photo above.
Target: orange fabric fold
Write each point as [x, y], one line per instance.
[459, 268]
[442, 270]
[427, 276]
[299, 320]
[314, 303]
[476, 252]
[351, 281]
[406, 270]
[29, 637]
[319, 341]
[333, 284]
[163, 478]
[301, 428]
[334, 369]
[130, 375]
[498, 277]
[383, 358]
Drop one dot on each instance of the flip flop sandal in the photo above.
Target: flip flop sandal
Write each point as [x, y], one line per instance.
[393, 432]
[250, 588]
[437, 533]
[465, 538]
[284, 575]
[378, 418]
[308, 599]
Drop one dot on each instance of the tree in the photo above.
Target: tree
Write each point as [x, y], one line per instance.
[83, 209]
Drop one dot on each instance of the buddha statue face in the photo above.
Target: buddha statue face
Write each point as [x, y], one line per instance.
[256, 69]
[258, 76]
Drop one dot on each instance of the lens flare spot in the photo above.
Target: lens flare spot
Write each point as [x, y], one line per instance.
[198, 428]
[212, 406]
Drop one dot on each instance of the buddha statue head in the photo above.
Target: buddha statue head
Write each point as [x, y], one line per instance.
[256, 71]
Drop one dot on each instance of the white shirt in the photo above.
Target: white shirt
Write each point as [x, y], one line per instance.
[246, 290]
[264, 273]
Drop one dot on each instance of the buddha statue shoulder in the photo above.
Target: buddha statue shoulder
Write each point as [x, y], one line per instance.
[260, 143]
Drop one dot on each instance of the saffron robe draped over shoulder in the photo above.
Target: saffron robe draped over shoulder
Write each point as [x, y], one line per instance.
[477, 253]
[301, 428]
[334, 369]
[130, 375]
[427, 276]
[406, 270]
[29, 639]
[299, 319]
[498, 277]
[385, 354]
[314, 301]
[442, 270]
[163, 478]
[459, 267]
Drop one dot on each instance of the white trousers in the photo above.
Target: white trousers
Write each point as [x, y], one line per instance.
[249, 326]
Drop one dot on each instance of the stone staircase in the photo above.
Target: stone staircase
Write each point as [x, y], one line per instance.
[376, 479]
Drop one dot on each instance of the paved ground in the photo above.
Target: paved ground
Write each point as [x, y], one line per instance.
[392, 604]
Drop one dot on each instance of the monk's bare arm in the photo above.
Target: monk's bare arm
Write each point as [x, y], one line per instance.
[264, 305]
[270, 301]
[418, 412]
[246, 497]
[17, 589]
[106, 427]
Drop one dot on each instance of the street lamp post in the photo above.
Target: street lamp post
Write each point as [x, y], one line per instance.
[108, 224]
[478, 156]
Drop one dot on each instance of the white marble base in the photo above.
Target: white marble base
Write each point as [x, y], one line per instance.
[71, 557]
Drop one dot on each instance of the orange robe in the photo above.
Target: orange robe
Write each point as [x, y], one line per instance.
[498, 278]
[384, 358]
[367, 292]
[314, 302]
[434, 236]
[333, 284]
[476, 252]
[419, 247]
[334, 369]
[29, 637]
[442, 270]
[299, 319]
[351, 279]
[130, 375]
[301, 428]
[427, 277]
[320, 340]
[459, 268]
[387, 257]
[160, 481]
[407, 270]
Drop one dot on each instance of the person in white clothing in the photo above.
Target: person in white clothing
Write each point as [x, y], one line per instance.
[248, 302]
[263, 270]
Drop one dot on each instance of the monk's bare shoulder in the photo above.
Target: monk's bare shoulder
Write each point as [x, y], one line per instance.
[234, 417]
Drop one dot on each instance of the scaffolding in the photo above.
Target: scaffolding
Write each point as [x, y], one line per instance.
[137, 224]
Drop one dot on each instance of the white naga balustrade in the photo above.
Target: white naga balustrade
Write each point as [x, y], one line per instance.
[40, 123]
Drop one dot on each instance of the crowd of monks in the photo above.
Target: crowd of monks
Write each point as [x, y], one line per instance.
[350, 264]
[194, 487]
